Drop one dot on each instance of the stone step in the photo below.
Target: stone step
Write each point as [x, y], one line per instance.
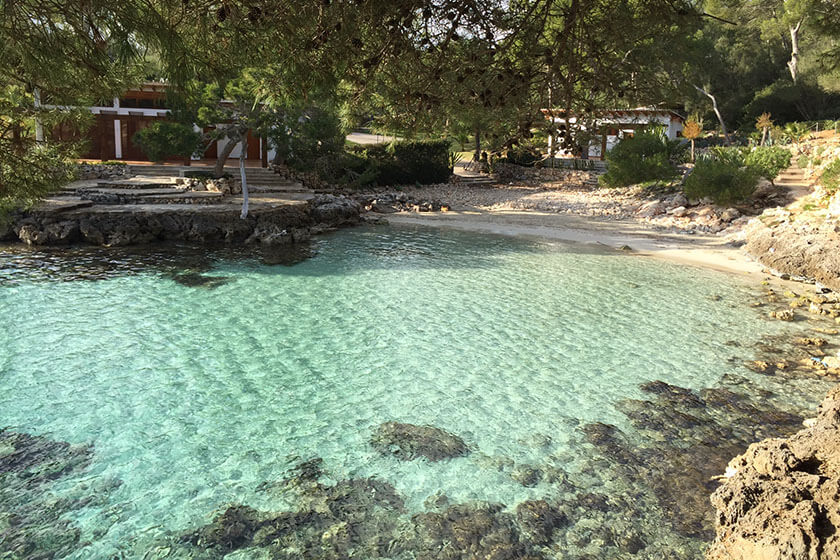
[136, 192]
[137, 183]
[191, 197]
[279, 189]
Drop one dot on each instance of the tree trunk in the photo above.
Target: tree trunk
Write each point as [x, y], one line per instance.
[692, 150]
[39, 127]
[219, 170]
[717, 113]
[242, 155]
[793, 63]
[477, 154]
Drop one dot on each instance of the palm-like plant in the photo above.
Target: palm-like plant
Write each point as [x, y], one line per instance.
[692, 130]
[764, 123]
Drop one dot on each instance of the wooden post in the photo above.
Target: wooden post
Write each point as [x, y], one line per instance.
[264, 151]
[604, 144]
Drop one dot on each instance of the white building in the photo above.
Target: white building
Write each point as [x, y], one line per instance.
[613, 125]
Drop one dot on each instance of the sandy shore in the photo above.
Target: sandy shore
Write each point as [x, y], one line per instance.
[707, 251]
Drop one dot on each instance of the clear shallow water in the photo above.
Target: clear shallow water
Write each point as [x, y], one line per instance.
[193, 397]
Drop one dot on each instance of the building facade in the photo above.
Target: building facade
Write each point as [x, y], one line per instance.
[111, 136]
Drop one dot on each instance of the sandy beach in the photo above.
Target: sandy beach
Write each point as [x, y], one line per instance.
[699, 250]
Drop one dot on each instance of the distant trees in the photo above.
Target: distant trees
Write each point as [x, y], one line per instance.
[428, 67]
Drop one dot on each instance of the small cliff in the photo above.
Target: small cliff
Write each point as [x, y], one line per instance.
[779, 500]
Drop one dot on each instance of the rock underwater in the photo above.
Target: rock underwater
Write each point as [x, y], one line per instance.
[407, 442]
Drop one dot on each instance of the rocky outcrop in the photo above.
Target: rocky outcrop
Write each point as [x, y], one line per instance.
[388, 203]
[780, 498]
[800, 250]
[407, 442]
[139, 224]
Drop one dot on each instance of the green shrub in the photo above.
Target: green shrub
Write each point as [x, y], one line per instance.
[722, 181]
[200, 174]
[731, 155]
[831, 176]
[768, 161]
[643, 157]
[306, 136]
[522, 155]
[423, 162]
[803, 161]
[163, 139]
[113, 162]
[402, 163]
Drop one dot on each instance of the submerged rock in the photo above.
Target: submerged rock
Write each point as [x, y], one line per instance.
[467, 532]
[779, 499]
[538, 520]
[408, 442]
[232, 529]
[34, 519]
[198, 280]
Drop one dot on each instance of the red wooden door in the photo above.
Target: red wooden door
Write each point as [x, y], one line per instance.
[253, 146]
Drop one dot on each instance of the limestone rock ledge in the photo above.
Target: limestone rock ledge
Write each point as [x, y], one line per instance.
[781, 499]
[141, 224]
[799, 249]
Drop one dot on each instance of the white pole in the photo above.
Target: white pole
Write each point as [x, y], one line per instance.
[242, 155]
[117, 139]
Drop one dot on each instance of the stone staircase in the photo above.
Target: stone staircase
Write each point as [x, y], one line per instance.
[477, 180]
[793, 178]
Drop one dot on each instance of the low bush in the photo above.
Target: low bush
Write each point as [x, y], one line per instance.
[723, 181]
[424, 162]
[199, 174]
[643, 157]
[522, 155]
[163, 139]
[768, 161]
[402, 163]
[831, 176]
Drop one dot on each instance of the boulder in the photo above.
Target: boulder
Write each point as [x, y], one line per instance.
[729, 215]
[678, 212]
[334, 210]
[797, 250]
[651, 209]
[680, 200]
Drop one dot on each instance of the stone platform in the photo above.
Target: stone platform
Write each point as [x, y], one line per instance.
[146, 210]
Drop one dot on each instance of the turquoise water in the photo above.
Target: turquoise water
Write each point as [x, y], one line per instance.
[195, 396]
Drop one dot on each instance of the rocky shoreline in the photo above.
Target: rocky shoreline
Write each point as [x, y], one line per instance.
[56, 224]
[779, 499]
[802, 250]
